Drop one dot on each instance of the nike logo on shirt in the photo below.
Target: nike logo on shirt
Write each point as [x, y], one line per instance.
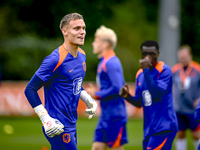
[71, 70]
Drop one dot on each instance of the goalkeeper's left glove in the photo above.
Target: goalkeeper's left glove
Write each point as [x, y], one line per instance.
[90, 103]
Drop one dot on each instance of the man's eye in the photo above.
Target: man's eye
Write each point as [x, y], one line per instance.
[152, 54]
[144, 54]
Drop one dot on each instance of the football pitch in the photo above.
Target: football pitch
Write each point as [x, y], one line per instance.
[25, 133]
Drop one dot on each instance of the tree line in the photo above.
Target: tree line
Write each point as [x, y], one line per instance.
[30, 31]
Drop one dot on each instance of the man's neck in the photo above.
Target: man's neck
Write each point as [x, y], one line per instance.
[102, 53]
[185, 67]
[154, 65]
[72, 49]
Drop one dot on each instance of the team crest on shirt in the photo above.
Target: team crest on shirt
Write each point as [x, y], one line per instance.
[147, 98]
[77, 85]
[84, 66]
[66, 138]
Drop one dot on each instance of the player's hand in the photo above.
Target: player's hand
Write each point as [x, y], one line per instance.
[92, 105]
[124, 91]
[145, 63]
[52, 126]
[91, 89]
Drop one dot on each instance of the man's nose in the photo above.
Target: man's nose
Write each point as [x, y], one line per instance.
[83, 31]
[147, 56]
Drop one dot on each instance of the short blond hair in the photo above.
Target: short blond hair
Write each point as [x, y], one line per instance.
[67, 18]
[107, 35]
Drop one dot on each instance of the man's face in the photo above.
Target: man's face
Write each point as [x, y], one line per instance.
[98, 45]
[150, 53]
[75, 32]
[184, 57]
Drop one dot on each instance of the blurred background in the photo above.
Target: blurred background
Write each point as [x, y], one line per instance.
[29, 31]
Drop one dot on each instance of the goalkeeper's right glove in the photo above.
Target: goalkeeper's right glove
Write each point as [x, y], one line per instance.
[90, 103]
[52, 126]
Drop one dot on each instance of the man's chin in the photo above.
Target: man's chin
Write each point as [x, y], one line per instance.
[81, 43]
[154, 63]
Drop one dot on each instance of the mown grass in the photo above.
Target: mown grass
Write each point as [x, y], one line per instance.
[28, 134]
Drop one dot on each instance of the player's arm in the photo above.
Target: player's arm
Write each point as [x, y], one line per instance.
[90, 103]
[159, 86]
[134, 100]
[52, 126]
[115, 79]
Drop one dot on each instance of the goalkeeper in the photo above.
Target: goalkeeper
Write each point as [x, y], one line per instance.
[62, 74]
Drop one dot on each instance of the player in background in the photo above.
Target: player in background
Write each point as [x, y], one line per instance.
[111, 128]
[61, 74]
[186, 78]
[153, 91]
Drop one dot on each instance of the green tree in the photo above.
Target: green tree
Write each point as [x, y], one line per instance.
[30, 31]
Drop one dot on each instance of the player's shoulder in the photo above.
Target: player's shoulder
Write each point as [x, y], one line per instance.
[161, 67]
[113, 62]
[53, 57]
[176, 67]
[81, 51]
[112, 59]
[195, 65]
[109, 55]
[138, 72]
[49, 62]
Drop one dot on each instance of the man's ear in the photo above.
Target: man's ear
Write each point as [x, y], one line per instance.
[158, 53]
[107, 45]
[64, 31]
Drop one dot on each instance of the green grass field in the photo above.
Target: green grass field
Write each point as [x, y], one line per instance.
[27, 134]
